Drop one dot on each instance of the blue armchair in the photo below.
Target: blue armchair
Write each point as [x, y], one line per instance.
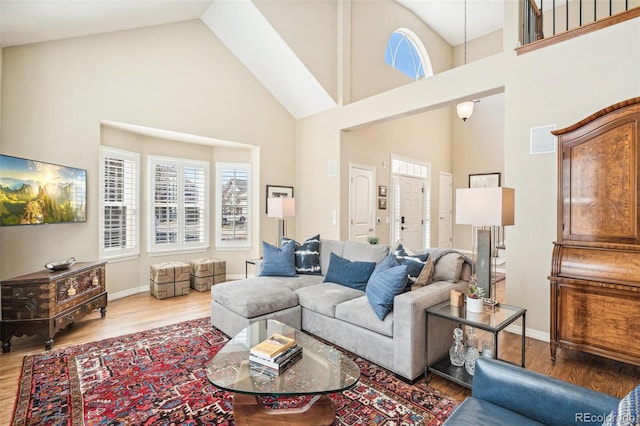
[505, 394]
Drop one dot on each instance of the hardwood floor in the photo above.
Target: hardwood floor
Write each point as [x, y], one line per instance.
[142, 312]
[127, 315]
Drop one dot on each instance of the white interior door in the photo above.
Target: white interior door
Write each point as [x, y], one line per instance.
[361, 202]
[411, 212]
[444, 210]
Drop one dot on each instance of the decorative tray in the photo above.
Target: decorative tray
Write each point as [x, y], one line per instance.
[63, 264]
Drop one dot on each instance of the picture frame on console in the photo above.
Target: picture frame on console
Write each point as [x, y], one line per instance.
[484, 180]
[277, 191]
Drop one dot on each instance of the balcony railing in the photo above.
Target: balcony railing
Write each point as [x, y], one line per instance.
[546, 22]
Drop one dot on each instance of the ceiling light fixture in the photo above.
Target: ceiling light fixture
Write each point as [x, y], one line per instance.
[465, 109]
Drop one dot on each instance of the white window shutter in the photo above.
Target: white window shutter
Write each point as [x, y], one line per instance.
[119, 224]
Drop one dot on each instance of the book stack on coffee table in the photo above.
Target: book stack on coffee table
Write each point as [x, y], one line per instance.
[274, 355]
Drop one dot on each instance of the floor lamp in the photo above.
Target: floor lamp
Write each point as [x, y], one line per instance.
[485, 207]
[281, 207]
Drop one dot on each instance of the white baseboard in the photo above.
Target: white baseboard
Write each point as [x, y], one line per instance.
[128, 292]
[145, 288]
[237, 277]
[534, 334]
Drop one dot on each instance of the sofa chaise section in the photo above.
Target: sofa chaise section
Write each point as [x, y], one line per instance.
[340, 314]
[236, 304]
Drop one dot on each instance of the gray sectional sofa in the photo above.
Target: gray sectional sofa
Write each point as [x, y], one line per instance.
[343, 315]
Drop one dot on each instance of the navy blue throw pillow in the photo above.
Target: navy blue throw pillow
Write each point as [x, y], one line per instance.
[415, 263]
[307, 255]
[354, 274]
[387, 281]
[278, 262]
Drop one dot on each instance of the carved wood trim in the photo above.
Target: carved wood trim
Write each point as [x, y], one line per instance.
[596, 115]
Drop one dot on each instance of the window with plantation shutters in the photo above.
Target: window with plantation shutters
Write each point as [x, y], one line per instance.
[179, 199]
[233, 200]
[119, 195]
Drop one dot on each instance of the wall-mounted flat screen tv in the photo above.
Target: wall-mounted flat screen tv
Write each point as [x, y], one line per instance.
[33, 192]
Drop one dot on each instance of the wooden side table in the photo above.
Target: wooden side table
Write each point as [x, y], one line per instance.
[45, 302]
[493, 319]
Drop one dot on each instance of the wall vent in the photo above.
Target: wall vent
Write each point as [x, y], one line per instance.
[541, 140]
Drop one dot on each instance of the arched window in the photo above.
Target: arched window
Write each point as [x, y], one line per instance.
[406, 53]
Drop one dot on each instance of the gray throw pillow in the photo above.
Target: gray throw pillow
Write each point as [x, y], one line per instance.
[448, 268]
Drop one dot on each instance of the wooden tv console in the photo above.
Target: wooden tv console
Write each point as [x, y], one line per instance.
[44, 302]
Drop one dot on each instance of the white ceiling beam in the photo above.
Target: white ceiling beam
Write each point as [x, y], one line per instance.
[247, 33]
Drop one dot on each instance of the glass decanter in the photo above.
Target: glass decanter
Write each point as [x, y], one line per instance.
[457, 352]
[472, 352]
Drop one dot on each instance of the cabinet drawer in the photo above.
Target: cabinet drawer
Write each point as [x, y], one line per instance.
[80, 286]
[63, 320]
[25, 302]
[100, 302]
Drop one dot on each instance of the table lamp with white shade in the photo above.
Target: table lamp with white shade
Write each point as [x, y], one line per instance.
[281, 207]
[485, 207]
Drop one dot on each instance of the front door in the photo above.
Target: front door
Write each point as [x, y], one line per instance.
[361, 202]
[411, 212]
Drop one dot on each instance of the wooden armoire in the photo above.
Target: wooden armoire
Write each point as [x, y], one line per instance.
[595, 270]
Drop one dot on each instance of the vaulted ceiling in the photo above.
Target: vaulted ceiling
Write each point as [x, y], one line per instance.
[239, 24]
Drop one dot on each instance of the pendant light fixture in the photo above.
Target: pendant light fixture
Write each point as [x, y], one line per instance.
[465, 109]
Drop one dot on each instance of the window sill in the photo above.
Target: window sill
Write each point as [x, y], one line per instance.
[233, 248]
[120, 258]
[182, 251]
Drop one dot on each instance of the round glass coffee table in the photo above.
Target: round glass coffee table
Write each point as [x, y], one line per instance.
[321, 370]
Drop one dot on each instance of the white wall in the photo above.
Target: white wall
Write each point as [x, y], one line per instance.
[424, 137]
[180, 77]
[311, 31]
[478, 147]
[372, 24]
[1, 55]
[559, 84]
[177, 77]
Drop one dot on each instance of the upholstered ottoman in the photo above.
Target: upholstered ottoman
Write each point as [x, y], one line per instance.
[206, 272]
[169, 279]
[219, 271]
[236, 304]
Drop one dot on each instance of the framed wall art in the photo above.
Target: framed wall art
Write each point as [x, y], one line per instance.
[484, 180]
[277, 191]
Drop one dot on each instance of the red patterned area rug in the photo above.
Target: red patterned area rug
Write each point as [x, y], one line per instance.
[158, 377]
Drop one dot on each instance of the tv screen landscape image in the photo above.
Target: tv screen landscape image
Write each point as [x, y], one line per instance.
[34, 192]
